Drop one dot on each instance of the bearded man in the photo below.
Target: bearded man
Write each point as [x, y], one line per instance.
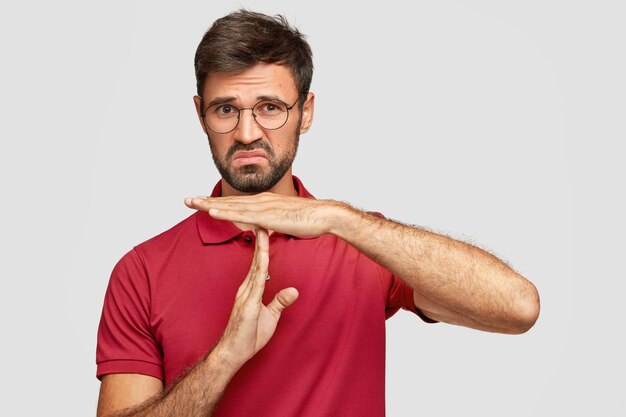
[267, 301]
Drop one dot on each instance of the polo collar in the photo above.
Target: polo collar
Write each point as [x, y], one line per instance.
[213, 231]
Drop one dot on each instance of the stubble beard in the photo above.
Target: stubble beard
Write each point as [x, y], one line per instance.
[255, 178]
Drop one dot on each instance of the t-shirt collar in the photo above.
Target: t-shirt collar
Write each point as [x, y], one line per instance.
[213, 231]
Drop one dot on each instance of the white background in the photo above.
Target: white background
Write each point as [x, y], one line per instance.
[501, 123]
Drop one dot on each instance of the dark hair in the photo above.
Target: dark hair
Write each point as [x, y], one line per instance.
[242, 39]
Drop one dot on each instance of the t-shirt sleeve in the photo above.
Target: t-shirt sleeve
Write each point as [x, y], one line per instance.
[126, 343]
[400, 296]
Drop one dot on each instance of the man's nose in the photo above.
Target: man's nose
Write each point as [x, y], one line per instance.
[248, 130]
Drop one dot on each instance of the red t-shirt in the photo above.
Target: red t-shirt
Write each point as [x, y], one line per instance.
[169, 299]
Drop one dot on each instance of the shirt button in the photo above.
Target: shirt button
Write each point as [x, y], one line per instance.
[248, 239]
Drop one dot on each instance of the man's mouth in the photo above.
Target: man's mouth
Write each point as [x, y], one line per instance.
[241, 158]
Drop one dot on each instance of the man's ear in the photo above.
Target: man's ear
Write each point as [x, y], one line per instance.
[197, 101]
[307, 113]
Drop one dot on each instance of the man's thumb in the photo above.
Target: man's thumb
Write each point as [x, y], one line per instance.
[283, 299]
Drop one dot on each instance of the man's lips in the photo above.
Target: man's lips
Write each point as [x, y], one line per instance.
[249, 157]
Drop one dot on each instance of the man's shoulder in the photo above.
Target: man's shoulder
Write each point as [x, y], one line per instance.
[185, 230]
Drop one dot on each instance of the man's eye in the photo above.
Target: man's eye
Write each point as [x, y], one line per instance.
[269, 108]
[225, 109]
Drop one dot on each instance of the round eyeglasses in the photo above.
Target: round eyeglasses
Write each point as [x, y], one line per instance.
[270, 114]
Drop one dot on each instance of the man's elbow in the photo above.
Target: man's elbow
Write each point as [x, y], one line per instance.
[526, 310]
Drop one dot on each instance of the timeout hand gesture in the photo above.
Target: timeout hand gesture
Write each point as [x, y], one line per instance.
[252, 324]
[292, 215]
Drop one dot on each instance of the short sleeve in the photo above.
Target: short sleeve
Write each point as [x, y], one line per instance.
[400, 295]
[126, 343]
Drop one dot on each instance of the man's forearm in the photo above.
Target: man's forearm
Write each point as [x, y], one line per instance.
[453, 274]
[462, 284]
[195, 395]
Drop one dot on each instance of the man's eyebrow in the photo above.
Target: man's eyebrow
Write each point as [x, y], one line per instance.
[230, 99]
[221, 100]
[269, 97]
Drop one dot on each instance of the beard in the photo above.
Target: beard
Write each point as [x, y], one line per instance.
[255, 178]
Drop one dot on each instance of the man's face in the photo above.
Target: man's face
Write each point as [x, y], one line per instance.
[251, 158]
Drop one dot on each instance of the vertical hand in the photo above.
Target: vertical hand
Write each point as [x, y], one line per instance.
[251, 323]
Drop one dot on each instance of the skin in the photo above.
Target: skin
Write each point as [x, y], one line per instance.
[453, 282]
[246, 89]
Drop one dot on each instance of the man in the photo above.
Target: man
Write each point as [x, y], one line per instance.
[304, 333]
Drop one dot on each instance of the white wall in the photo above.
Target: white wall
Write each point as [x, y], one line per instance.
[501, 123]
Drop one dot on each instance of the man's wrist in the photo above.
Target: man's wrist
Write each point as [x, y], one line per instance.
[222, 361]
[343, 217]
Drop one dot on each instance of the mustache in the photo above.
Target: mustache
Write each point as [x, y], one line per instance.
[257, 144]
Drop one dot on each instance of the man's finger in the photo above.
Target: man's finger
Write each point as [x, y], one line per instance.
[260, 273]
[263, 239]
[282, 300]
[238, 216]
[259, 264]
[245, 286]
[234, 203]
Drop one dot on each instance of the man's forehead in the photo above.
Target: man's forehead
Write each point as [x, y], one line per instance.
[259, 80]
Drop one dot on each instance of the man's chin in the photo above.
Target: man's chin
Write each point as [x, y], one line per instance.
[250, 179]
[250, 169]
[255, 178]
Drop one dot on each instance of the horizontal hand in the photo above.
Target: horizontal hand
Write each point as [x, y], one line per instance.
[291, 215]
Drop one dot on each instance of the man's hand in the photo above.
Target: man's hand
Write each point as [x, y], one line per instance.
[296, 216]
[252, 324]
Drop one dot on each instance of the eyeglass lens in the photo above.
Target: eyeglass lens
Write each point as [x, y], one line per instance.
[224, 118]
